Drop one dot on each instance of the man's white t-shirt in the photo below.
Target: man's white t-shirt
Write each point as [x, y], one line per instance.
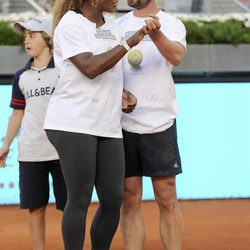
[151, 82]
[80, 104]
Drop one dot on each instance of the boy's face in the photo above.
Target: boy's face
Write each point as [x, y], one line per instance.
[34, 43]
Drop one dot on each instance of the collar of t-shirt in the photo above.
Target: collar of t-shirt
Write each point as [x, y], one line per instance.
[51, 64]
[78, 11]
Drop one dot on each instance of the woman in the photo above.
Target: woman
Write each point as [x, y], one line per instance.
[83, 116]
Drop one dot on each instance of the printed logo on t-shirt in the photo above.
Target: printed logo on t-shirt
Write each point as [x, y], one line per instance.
[128, 34]
[39, 92]
[104, 34]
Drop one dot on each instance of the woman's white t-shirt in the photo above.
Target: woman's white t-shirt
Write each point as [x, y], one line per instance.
[80, 104]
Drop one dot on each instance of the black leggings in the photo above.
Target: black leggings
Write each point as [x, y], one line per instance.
[89, 161]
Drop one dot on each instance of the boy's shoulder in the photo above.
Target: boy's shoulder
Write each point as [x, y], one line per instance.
[51, 63]
[28, 66]
[20, 71]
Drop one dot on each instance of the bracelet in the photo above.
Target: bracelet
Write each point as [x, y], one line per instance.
[125, 45]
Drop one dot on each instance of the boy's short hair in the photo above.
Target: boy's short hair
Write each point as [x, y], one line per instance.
[37, 24]
[48, 40]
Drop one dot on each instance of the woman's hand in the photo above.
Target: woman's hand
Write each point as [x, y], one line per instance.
[136, 38]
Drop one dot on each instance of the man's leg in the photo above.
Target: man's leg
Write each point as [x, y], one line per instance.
[37, 227]
[171, 220]
[132, 222]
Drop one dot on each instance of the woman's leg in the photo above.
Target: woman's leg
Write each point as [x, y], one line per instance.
[77, 154]
[109, 186]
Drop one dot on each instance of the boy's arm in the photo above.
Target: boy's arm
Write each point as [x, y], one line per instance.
[12, 130]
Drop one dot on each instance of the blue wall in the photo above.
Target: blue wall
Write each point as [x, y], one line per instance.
[9, 193]
[214, 140]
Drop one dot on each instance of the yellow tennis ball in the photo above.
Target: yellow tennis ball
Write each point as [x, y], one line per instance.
[135, 57]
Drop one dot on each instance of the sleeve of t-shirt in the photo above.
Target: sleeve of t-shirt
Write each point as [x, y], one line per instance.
[17, 99]
[178, 33]
[73, 39]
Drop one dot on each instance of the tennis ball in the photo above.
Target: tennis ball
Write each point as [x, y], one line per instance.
[135, 57]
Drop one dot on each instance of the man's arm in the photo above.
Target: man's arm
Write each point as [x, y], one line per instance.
[171, 50]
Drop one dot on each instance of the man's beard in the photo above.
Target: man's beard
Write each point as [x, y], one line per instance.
[139, 4]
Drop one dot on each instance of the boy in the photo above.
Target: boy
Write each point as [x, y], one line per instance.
[32, 88]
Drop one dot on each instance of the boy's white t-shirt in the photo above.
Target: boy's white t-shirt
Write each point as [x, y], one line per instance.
[80, 104]
[32, 89]
[151, 82]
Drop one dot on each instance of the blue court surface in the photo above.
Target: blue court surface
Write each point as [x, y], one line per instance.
[214, 141]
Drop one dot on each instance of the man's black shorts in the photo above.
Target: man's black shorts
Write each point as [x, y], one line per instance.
[34, 184]
[152, 155]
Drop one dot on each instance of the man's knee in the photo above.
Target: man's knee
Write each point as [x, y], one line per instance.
[167, 204]
[131, 199]
[166, 196]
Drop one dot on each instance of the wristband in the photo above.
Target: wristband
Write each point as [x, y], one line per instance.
[125, 45]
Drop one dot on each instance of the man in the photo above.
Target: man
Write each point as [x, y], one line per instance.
[149, 132]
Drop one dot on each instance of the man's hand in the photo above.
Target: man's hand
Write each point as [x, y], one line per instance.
[129, 101]
[152, 24]
[4, 151]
